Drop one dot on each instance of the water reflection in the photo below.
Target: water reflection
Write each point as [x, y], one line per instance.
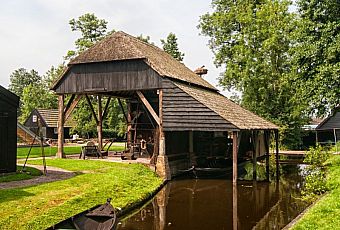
[218, 204]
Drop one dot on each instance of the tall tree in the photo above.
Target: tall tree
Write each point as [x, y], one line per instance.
[170, 46]
[316, 55]
[36, 96]
[250, 40]
[22, 78]
[92, 29]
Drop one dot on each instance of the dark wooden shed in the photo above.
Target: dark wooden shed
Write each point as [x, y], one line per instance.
[328, 131]
[49, 123]
[184, 118]
[9, 103]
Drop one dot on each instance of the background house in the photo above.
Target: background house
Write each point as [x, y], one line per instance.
[9, 103]
[49, 123]
[328, 131]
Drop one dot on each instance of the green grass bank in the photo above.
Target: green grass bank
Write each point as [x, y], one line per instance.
[51, 151]
[325, 214]
[19, 175]
[38, 207]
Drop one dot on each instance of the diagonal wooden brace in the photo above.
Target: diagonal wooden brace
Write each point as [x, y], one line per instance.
[149, 107]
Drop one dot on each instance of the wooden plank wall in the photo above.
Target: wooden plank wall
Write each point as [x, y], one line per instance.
[182, 112]
[109, 76]
[332, 123]
[8, 136]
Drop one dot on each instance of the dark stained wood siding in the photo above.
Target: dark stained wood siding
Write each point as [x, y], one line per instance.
[8, 134]
[332, 122]
[109, 76]
[182, 112]
[48, 132]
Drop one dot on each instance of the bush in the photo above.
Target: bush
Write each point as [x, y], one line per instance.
[317, 156]
[316, 183]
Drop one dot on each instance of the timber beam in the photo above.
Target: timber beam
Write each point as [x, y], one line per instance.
[149, 107]
[72, 103]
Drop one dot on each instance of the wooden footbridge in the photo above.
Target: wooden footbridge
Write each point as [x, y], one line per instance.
[291, 156]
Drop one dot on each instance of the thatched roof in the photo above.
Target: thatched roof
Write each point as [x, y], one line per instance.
[50, 118]
[230, 111]
[122, 46]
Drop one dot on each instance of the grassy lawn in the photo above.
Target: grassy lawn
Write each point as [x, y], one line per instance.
[51, 151]
[38, 207]
[28, 174]
[326, 213]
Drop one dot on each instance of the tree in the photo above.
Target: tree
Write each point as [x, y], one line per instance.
[251, 40]
[316, 55]
[52, 75]
[145, 39]
[170, 46]
[92, 30]
[36, 96]
[21, 78]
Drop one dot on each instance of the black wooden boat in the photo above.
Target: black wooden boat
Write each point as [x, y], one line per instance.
[100, 217]
[199, 172]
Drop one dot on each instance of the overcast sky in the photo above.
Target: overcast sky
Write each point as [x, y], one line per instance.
[35, 34]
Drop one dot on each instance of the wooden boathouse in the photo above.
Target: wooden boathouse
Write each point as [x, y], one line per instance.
[183, 119]
[9, 103]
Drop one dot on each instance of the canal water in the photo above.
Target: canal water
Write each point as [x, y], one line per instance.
[217, 204]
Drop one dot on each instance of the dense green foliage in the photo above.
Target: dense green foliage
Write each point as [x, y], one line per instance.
[40, 206]
[316, 55]
[170, 46]
[316, 172]
[92, 29]
[33, 89]
[251, 41]
[28, 173]
[325, 213]
[21, 78]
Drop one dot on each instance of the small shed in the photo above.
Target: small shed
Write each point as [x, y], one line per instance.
[9, 103]
[49, 123]
[183, 118]
[328, 131]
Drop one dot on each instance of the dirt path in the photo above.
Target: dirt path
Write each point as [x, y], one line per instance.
[53, 174]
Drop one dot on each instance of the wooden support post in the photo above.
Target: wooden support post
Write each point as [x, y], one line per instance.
[255, 138]
[335, 140]
[266, 143]
[235, 217]
[60, 153]
[276, 132]
[316, 137]
[129, 125]
[160, 123]
[100, 124]
[162, 165]
[235, 151]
